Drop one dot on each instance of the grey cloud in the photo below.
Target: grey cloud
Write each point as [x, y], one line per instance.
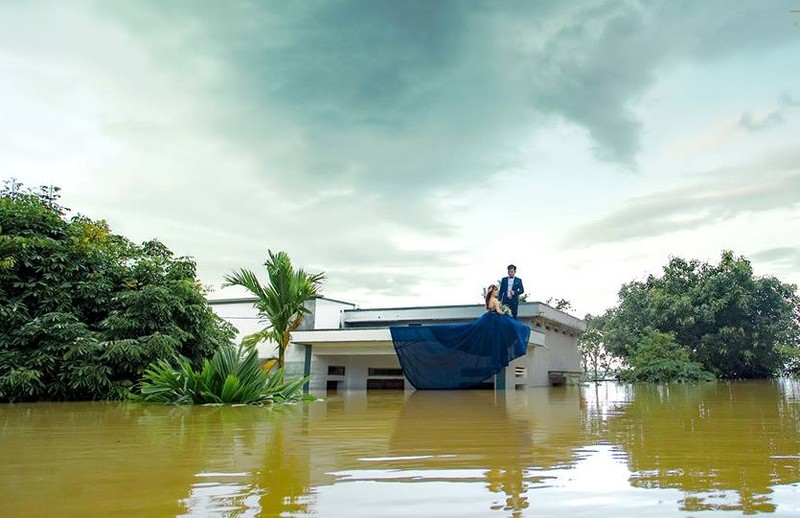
[351, 258]
[718, 195]
[777, 254]
[591, 70]
[786, 258]
[369, 82]
[595, 68]
[751, 122]
[354, 115]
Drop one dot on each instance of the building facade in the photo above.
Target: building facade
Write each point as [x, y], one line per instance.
[346, 348]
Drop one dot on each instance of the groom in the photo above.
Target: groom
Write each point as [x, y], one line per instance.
[510, 290]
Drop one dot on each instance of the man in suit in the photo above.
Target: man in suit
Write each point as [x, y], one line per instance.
[510, 290]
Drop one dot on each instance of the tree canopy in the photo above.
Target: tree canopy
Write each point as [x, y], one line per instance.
[723, 317]
[83, 311]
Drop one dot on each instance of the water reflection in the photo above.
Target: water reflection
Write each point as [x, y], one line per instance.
[605, 450]
[253, 468]
[725, 445]
[466, 430]
[469, 450]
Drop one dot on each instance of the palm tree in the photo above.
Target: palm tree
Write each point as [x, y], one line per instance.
[280, 304]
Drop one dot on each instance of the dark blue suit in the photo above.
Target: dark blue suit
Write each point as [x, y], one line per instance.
[516, 291]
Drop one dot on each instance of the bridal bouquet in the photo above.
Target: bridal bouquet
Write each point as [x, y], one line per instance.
[506, 310]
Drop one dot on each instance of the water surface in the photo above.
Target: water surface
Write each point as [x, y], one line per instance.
[724, 449]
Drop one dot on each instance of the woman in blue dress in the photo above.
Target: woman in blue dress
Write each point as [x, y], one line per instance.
[492, 304]
[462, 355]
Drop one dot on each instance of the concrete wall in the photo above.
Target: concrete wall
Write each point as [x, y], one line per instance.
[328, 314]
[560, 354]
[324, 314]
[240, 313]
[356, 370]
[243, 316]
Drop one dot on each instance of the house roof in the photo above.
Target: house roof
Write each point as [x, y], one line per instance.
[382, 317]
[374, 340]
[251, 299]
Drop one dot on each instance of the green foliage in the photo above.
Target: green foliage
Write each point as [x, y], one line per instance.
[559, 304]
[594, 356]
[659, 358]
[83, 312]
[734, 324]
[281, 304]
[229, 377]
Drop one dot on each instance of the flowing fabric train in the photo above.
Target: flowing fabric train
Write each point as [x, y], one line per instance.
[457, 356]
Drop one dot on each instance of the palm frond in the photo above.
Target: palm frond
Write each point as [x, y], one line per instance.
[256, 338]
[246, 279]
[282, 302]
[231, 376]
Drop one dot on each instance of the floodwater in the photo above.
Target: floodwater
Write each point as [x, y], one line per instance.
[724, 449]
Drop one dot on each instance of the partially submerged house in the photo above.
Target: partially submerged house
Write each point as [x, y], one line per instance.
[344, 347]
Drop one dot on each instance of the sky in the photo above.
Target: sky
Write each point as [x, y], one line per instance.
[411, 150]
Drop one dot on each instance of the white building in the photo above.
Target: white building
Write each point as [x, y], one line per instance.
[343, 347]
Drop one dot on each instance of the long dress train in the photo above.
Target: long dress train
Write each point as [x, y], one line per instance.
[456, 356]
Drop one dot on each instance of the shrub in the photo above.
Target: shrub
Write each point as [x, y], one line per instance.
[231, 376]
[660, 358]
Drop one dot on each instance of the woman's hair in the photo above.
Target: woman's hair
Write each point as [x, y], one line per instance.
[489, 290]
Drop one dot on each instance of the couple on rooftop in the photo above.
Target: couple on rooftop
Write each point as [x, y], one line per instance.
[507, 294]
[462, 355]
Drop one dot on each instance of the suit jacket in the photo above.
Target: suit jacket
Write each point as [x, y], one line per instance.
[516, 289]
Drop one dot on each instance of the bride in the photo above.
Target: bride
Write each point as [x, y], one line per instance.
[492, 304]
[460, 355]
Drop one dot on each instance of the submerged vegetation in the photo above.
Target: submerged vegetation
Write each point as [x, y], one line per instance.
[659, 358]
[86, 314]
[698, 321]
[281, 304]
[231, 376]
[83, 311]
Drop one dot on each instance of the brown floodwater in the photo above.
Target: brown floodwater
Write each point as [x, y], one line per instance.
[724, 449]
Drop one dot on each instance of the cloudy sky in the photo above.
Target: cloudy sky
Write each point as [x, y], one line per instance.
[411, 149]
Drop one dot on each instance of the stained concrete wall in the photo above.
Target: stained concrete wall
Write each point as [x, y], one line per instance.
[356, 370]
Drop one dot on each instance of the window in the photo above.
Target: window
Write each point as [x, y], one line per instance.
[335, 370]
[384, 372]
[385, 384]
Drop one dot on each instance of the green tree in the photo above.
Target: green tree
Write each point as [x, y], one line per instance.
[281, 304]
[659, 358]
[594, 355]
[733, 323]
[559, 304]
[84, 311]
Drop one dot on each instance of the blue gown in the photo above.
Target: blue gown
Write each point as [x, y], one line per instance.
[457, 356]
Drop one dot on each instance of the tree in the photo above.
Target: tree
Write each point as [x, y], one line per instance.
[591, 345]
[660, 359]
[84, 311]
[734, 324]
[281, 304]
[559, 304]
